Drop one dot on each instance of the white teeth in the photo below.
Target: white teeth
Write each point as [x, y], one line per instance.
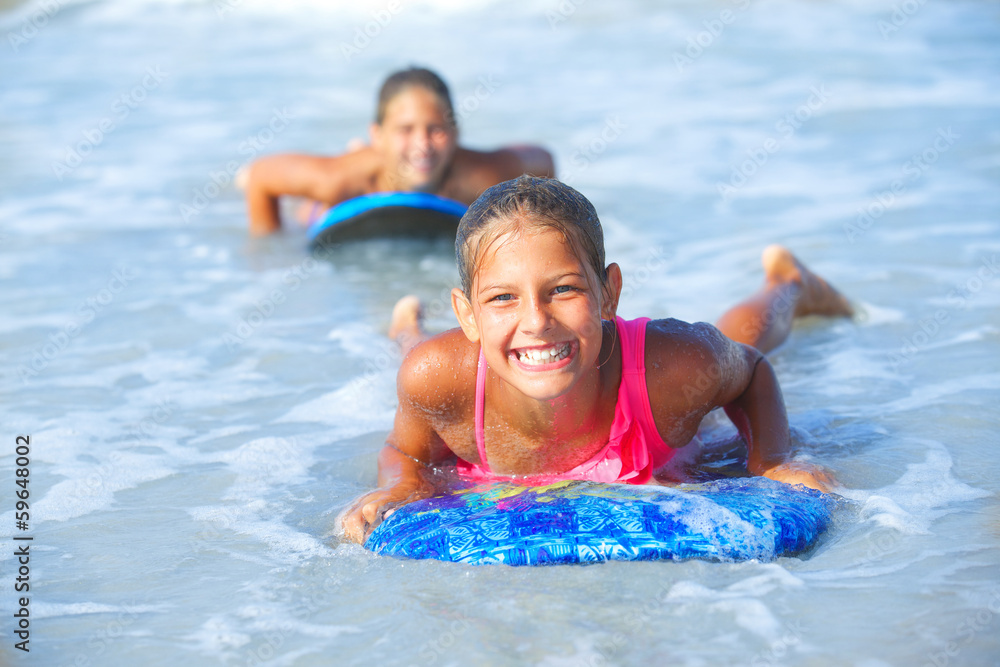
[546, 356]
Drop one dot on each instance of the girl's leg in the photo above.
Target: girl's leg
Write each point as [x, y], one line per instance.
[790, 290]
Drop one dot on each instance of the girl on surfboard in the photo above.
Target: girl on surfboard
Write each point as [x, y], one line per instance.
[414, 148]
[544, 382]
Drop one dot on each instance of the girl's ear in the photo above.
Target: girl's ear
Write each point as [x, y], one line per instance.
[375, 135]
[611, 291]
[463, 311]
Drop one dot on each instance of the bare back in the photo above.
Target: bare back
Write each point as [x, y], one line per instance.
[332, 180]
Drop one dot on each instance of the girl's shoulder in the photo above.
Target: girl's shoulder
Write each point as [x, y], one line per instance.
[439, 374]
[474, 171]
[677, 351]
[677, 336]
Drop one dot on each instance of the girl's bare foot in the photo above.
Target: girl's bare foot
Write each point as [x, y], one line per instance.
[407, 322]
[817, 297]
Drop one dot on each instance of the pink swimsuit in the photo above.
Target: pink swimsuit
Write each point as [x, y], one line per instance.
[635, 449]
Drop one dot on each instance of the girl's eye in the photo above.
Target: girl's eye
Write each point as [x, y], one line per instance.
[562, 289]
[502, 297]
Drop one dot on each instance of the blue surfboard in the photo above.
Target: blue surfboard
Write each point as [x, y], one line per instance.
[387, 214]
[586, 522]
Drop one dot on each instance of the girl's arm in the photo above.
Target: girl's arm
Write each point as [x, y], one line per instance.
[268, 179]
[323, 179]
[412, 448]
[759, 414]
[693, 369]
[401, 480]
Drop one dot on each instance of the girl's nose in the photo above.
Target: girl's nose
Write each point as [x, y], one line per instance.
[422, 138]
[536, 318]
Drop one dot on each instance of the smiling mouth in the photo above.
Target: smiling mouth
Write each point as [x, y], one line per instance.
[544, 355]
[422, 163]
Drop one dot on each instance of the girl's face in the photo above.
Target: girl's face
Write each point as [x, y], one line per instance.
[536, 310]
[416, 139]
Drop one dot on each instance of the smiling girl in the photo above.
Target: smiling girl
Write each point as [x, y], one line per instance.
[413, 148]
[544, 382]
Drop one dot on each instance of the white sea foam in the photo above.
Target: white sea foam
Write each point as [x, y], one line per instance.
[356, 339]
[925, 492]
[160, 446]
[43, 609]
[265, 462]
[743, 601]
[363, 405]
[925, 395]
[261, 521]
[219, 637]
[93, 487]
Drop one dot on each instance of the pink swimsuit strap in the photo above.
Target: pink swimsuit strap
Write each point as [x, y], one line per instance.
[635, 448]
[480, 409]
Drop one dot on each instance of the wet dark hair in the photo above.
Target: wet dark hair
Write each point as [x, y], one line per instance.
[529, 202]
[407, 78]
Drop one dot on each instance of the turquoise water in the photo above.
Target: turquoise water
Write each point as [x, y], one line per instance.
[202, 406]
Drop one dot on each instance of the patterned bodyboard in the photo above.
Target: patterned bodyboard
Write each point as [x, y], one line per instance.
[586, 522]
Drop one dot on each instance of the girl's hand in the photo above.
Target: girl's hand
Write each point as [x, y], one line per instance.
[798, 472]
[370, 509]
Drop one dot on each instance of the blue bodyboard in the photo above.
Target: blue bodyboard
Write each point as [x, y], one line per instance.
[586, 522]
[387, 214]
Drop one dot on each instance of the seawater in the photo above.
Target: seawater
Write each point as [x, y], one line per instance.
[202, 406]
